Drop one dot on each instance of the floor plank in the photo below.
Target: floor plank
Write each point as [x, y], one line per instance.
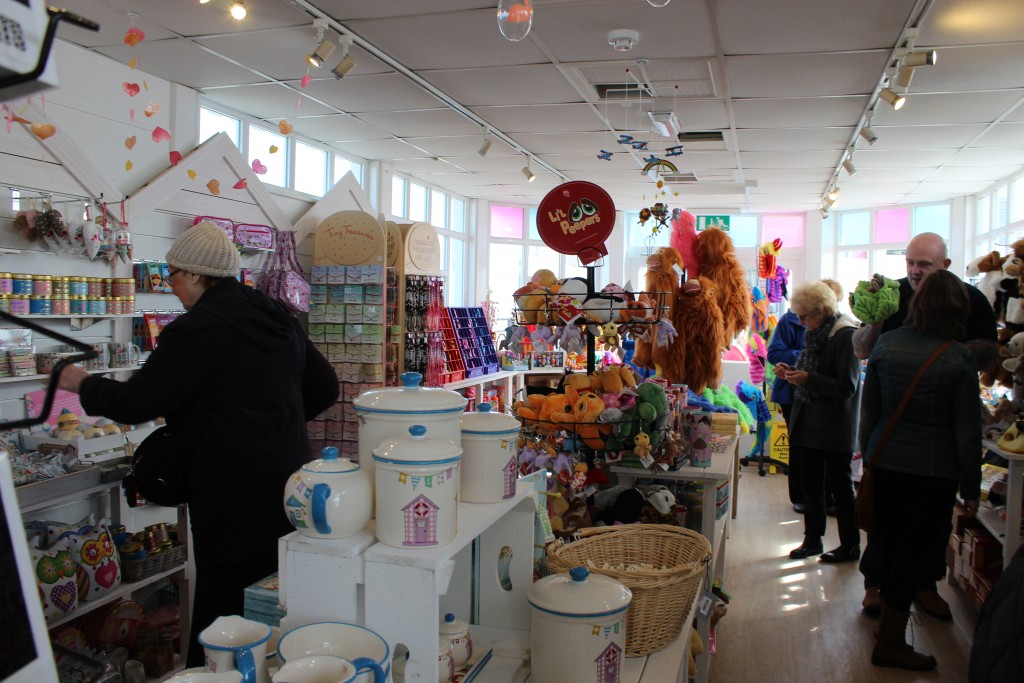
[800, 620]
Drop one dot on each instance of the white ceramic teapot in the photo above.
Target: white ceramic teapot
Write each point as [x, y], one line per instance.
[329, 498]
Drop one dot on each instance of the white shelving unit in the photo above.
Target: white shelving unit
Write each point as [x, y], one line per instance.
[403, 593]
[36, 378]
[1007, 532]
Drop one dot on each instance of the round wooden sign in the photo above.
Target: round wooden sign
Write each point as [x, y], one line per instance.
[576, 218]
[394, 242]
[423, 248]
[349, 238]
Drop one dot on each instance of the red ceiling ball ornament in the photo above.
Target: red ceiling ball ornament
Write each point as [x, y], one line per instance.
[576, 218]
[515, 18]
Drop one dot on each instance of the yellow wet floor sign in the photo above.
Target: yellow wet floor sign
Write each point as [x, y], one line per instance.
[778, 442]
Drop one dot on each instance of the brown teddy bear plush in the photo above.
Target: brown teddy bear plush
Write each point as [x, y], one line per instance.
[661, 276]
[717, 258]
[696, 357]
[587, 406]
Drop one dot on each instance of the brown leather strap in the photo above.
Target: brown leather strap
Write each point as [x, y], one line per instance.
[905, 400]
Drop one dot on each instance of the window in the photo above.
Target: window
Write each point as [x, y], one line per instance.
[504, 276]
[417, 202]
[743, 231]
[1001, 209]
[1017, 200]
[456, 290]
[932, 218]
[855, 228]
[343, 166]
[892, 225]
[261, 141]
[398, 185]
[438, 208]
[507, 222]
[212, 122]
[458, 215]
[790, 229]
[310, 169]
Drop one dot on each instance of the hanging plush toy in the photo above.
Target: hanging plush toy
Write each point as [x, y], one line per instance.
[766, 260]
[664, 268]
[696, 357]
[609, 336]
[684, 240]
[718, 261]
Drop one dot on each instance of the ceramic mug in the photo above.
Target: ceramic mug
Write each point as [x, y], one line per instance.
[348, 641]
[235, 644]
[123, 355]
[323, 669]
[102, 359]
[201, 675]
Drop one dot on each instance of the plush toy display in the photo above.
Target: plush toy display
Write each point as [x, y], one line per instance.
[683, 239]
[718, 262]
[989, 271]
[69, 427]
[610, 336]
[1012, 439]
[874, 300]
[531, 298]
[696, 357]
[642, 446]
[664, 268]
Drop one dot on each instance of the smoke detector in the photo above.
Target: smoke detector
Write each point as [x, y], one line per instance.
[623, 39]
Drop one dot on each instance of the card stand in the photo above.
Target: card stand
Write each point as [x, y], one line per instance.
[467, 342]
[454, 368]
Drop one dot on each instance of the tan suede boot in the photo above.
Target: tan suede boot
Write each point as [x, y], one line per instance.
[871, 605]
[891, 648]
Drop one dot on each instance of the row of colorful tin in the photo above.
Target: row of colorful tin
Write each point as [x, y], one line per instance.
[25, 304]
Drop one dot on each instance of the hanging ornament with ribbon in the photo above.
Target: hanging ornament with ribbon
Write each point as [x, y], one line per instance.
[515, 18]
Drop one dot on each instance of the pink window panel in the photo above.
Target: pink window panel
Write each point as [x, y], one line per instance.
[507, 221]
[789, 228]
[892, 225]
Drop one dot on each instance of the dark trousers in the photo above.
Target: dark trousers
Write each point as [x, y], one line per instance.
[935, 566]
[220, 592]
[913, 512]
[821, 469]
[796, 491]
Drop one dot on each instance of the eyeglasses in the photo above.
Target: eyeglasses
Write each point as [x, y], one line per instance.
[170, 276]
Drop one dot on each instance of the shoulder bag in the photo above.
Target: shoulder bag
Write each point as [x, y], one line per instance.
[864, 507]
[160, 471]
[282, 277]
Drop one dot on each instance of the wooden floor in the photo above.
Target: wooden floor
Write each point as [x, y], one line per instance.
[800, 620]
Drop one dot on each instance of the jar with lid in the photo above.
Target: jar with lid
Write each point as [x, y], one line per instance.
[39, 305]
[108, 286]
[61, 288]
[19, 304]
[21, 283]
[114, 305]
[78, 286]
[78, 305]
[42, 285]
[124, 287]
[457, 632]
[6, 283]
[128, 305]
[96, 305]
[60, 306]
[95, 286]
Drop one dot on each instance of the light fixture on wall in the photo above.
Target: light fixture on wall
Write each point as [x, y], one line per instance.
[848, 162]
[623, 39]
[347, 62]
[515, 18]
[892, 98]
[485, 145]
[530, 177]
[238, 10]
[324, 47]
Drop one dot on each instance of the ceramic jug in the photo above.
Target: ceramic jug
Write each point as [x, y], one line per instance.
[234, 643]
[329, 498]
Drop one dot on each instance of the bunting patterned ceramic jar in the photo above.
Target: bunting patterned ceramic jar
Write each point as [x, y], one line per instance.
[489, 469]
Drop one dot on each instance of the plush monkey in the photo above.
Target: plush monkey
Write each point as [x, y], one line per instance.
[696, 357]
[717, 258]
[661, 277]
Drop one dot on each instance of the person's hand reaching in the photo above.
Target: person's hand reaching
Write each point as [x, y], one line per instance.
[71, 378]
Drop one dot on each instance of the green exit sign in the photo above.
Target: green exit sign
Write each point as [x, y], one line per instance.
[705, 222]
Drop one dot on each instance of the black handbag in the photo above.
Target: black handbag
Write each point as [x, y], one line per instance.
[159, 471]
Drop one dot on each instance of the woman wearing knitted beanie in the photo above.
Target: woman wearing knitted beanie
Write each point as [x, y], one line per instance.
[236, 379]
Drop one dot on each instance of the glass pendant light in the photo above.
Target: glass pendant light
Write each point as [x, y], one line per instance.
[515, 18]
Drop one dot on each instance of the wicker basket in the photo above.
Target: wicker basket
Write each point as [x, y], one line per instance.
[137, 570]
[661, 597]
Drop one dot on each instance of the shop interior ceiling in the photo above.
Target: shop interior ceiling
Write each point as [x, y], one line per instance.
[788, 84]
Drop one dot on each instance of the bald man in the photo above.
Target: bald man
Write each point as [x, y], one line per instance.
[926, 254]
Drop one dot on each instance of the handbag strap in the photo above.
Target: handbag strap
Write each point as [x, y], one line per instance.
[898, 413]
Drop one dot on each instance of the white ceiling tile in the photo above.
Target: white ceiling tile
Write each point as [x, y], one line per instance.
[922, 137]
[920, 110]
[869, 158]
[413, 124]
[113, 24]
[799, 112]
[1017, 114]
[568, 143]
[541, 118]
[972, 68]
[336, 127]
[267, 101]
[620, 161]
[988, 156]
[810, 26]
[788, 159]
[346, 10]
[180, 61]
[886, 175]
[534, 84]
[789, 174]
[855, 188]
[379, 149]
[377, 92]
[955, 22]
[952, 189]
[491, 163]
[793, 139]
[1003, 135]
[694, 115]
[786, 188]
[989, 173]
[453, 179]
[849, 73]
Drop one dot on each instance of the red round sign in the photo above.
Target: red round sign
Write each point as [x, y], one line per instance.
[576, 218]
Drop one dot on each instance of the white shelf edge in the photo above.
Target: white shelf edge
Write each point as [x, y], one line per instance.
[121, 591]
[65, 316]
[105, 371]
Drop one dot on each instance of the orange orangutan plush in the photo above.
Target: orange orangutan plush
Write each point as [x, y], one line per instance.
[718, 262]
[696, 356]
[661, 277]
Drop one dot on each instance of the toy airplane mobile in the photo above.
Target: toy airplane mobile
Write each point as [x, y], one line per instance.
[625, 139]
[642, 146]
[651, 159]
[675, 151]
[605, 155]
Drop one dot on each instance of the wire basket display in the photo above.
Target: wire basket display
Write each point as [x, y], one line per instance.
[153, 563]
[624, 308]
[662, 565]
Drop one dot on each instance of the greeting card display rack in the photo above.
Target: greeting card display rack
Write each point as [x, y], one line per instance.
[454, 368]
[424, 311]
[474, 341]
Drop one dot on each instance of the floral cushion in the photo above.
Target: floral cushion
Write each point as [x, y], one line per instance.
[55, 578]
[99, 566]
[56, 531]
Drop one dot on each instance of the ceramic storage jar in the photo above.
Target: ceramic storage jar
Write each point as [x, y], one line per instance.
[417, 490]
[489, 468]
[457, 633]
[388, 413]
[329, 498]
[578, 627]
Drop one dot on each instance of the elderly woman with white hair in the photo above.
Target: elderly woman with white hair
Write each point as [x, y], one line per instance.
[823, 424]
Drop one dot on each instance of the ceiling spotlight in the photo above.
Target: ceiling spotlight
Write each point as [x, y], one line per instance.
[868, 134]
[833, 195]
[893, 98]
[238, 10]
[485, 146]
[623, 39]
[530, 177]
[848, 165]
[921, 58]
[203, 2]
[823, 211]
[324, 47]
[347, 62]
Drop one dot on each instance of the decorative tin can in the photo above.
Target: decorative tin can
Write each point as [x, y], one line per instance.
[383, 413]
[19, 304]
[61, 288]
[489, 468]
[124, 286]
[132, 550]
[417, 490]
[578, 627]
[60, 306]
[5, 303]
[6, 283]
[114, 304]
[95, 286]
[21, 283]
[42, 285]
[78, 286]
[107, 284]
[79, 305]
[96, 305]
[40, 305]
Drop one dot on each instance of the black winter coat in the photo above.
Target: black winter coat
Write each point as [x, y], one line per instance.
[236, 379]
[997, 655]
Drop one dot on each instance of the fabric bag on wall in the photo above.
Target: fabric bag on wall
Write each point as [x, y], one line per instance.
[282, 277]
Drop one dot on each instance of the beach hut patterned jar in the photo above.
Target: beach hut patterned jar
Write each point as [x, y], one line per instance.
[417, 490]
[387, 413]
[578, 627]
[489, 469]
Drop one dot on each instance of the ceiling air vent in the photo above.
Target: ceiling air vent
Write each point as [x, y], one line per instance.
[679, 178]
[701, 136]
[622, 91]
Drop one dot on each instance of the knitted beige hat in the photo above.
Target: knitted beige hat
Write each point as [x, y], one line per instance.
[205, 249]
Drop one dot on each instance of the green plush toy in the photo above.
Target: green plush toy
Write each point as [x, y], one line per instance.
[724, 396]
[874, 300]
[651, 405]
